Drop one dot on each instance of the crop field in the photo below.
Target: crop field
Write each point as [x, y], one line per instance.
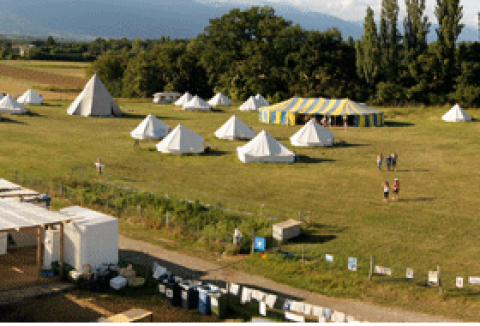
[433, 223]
[54, 80]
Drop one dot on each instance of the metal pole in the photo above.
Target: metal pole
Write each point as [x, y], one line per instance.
[440, 288]
[372, 262]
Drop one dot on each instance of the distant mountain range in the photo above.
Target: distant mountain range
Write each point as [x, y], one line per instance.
[88, 19]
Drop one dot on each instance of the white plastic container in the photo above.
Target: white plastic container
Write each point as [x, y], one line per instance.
[3, 243]
[92, 240]
[118, 282]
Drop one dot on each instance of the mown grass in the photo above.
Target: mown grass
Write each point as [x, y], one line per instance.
[433, 223]
[74, 69]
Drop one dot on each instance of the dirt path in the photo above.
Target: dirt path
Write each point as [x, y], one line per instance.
[41, 77]
[181, 264]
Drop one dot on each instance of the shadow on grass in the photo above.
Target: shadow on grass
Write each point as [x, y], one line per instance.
[346, 145]
[309, 160]
[215, 152]
[418, 199]
[33, 114]
[8, 120]
[398, 124]
[127, 115]
[50, 104]
[414, 170]
[220, 110]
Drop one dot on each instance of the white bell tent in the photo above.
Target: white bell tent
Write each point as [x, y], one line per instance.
[9, 105]
[182, 141]
[30, 97]
[94, 100]
[151, 128]
[219, 99]
[456, 114]
[265, 148]
[235, 128]
[196, 104]
[187, 97]
[263, 100]
[252, 104]
[312, 134]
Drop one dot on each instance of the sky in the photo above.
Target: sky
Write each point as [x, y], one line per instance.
[354, 10]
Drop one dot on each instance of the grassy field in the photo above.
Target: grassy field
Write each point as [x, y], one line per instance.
[433, 223]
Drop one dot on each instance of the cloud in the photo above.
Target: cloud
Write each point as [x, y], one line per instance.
[356, 9]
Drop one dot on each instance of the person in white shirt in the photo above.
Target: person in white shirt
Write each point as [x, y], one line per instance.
[100, 166]
[386, 190]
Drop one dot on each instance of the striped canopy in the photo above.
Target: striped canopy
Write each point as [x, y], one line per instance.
[287, 111]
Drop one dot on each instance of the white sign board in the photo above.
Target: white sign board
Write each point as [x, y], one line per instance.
[383, 270]
[433, 278]
[352, 264]
[409, 273]
[263, 308]
[474, 280]
[459, 282]
[329, 258]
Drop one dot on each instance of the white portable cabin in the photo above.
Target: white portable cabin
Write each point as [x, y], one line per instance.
[92, 240]
[165, 97]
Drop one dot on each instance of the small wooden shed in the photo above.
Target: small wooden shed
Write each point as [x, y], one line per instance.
[286, 230]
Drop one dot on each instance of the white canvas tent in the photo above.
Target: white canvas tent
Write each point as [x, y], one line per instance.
[197, 104]
[30, 97]
[235, 128]
[184, 99]
[312, 134]
[219, 99]
[456, 114]
[182, 141]
[262, 100]
[92, 239]
[151, 128]
[252, 104]
[265, 148]
[94, 100]
[9, 105]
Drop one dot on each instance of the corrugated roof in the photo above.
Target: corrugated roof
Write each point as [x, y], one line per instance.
[10, 189]
[17, 215]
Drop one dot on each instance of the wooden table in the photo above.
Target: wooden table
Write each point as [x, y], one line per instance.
[130, 316]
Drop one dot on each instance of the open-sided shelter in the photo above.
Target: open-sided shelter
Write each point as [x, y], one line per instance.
[30, 97]
[235, 128]
[94, 100]
[9, 105]
[312, 134]
[151, 128]
[456, 114]
[182, 141]
[265, 148]
[299, 110]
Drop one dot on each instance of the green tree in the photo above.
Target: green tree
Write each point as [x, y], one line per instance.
[110, 67]
[416, 28]
[449, 13]
[390, 40]
[368, 52]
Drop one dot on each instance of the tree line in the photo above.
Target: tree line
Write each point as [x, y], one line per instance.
[251, 51]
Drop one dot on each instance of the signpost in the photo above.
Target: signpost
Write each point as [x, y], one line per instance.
[260, 244]
[352, 264]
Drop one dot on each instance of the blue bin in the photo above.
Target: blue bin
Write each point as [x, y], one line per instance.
[189, 294]
[204, 307]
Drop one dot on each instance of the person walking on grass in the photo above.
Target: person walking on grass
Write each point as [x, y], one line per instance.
[386, 191]
[379, 161]
[396, 189]
[388, 161]
[394, 161]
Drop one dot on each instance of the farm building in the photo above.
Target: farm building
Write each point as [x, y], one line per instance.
[165, 97]
[299, 110]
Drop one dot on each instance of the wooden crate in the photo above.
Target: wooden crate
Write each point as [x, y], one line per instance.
[286, 230]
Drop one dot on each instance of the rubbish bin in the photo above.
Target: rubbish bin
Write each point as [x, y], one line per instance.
[162, 288]
[218, 303]
[204, 304]
[189, 294]
[172, 291]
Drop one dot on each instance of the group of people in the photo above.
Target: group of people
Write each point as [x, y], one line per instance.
[386, 190]
[390, 161]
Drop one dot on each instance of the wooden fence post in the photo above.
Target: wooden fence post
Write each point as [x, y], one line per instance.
[16, 175]
[372, 262]
[440, 288]
[253, 243]
[303, 255]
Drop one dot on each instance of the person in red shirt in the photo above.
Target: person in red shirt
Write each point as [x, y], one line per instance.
[396, 189]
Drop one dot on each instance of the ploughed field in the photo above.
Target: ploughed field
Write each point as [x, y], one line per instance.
[433, 223]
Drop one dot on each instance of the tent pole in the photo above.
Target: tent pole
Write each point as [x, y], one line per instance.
[62, 232]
